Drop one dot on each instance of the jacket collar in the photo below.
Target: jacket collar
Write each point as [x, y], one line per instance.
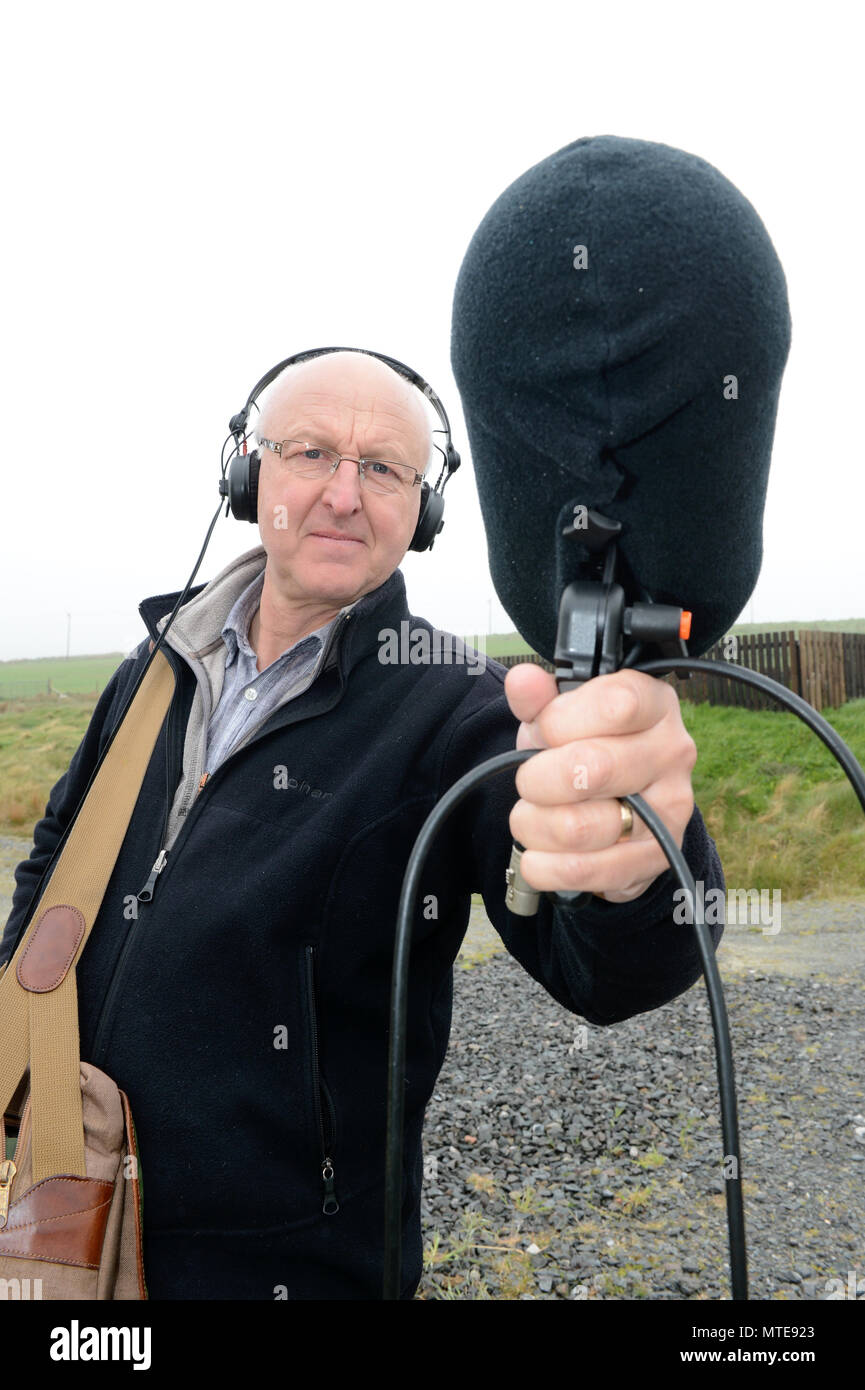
[197, 630]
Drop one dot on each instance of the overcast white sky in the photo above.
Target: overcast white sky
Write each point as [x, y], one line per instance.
[193, 192]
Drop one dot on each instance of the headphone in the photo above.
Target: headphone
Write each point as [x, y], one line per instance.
[241, 485]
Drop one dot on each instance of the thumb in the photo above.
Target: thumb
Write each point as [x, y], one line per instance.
[529, 689]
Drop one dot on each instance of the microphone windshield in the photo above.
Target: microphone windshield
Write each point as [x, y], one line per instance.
[620, 330]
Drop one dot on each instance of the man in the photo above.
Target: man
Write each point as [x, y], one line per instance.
[237, 979]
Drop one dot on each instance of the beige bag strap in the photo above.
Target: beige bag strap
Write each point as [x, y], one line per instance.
[38, 997]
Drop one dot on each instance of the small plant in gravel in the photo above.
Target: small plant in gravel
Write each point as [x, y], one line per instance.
[636, 1200]
[462, 1278]
[651, 1159]
[620, 1285]
[686, 1139]
[515, 1274]
[586, 1230]
[529, 1202]
[431, 1255]
[482, 1182]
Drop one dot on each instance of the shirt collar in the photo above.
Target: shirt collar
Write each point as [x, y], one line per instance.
[235, 631]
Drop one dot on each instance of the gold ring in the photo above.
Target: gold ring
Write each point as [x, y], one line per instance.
[627, 820]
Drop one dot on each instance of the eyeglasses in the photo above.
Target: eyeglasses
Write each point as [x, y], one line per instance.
[307, 460]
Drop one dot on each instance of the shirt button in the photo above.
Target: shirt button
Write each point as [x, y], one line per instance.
[251, 694]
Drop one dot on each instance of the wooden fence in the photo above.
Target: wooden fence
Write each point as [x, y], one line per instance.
[825, 668]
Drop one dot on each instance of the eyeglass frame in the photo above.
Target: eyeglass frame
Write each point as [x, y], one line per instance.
[275, 446]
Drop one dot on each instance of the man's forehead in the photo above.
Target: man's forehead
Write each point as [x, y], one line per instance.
[357, 381]
[341, 394]
[341, 398]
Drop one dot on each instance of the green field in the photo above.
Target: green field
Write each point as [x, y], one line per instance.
[76, 675]
[779, 808]
[498, 644]
[776, 803]
[90, 674]
[821, 625]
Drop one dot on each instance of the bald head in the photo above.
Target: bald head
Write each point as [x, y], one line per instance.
[349, 394]
[331, 539]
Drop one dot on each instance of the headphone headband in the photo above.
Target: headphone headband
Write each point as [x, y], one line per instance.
[241, 486]
[238, 422]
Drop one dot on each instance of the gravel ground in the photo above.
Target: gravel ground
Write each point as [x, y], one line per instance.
[568, 1161]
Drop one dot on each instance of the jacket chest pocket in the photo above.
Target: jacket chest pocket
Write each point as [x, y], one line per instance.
[325, 1116]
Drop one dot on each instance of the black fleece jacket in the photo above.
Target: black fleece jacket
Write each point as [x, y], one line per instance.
[244, 1010]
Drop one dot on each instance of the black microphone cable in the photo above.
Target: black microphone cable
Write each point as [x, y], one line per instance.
[181, 599]
[402, 945]
[788, 698]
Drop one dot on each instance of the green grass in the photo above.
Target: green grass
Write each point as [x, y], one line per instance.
[651, 1159]
[498, 644]
[37, 740]
[795, 625]
[778, 806]
[85, 674]
[79, 675]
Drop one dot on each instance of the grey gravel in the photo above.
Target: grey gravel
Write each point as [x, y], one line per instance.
[606, 1159]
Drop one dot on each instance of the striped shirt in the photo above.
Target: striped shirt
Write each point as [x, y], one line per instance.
[249, 696]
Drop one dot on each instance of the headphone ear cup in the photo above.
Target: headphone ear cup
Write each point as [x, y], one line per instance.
[243, 486]
[430, 519]
[254, 470]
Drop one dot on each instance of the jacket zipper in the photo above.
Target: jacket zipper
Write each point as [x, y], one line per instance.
[146, 894]
[330, 1205]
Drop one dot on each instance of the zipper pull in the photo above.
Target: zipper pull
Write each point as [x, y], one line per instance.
[201, 781]
[7, 1173]
[330, 1205]
[150, 886]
